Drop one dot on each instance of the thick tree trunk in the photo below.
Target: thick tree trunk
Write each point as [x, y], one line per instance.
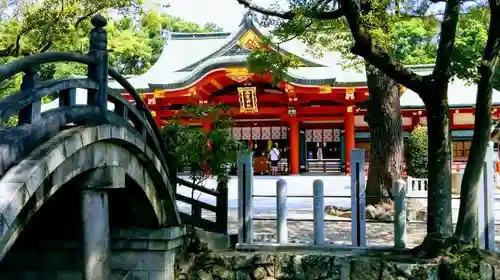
[439, 219]
[386, 135]
[467, 231]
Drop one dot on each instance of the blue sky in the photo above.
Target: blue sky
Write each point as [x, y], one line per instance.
[225, 13]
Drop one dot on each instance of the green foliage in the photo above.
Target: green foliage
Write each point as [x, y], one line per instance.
[414, 41]
[465, 263]
[409, 39]
[51, 25]
[472, 34]
[396, 26]
[417, 152]
[204, 154]
[271, 60]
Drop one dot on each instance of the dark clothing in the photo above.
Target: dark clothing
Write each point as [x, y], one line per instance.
[274, 163]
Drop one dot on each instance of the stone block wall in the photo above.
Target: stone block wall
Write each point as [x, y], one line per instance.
[137, 253]
[313, 266]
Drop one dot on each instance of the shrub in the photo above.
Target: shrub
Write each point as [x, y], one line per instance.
[416, 161]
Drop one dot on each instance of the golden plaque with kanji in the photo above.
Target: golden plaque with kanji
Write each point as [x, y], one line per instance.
[248, 99]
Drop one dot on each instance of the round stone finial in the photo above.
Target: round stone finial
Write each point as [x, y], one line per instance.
[98, 21]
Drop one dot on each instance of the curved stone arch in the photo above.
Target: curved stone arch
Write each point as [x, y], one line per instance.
[74, 152]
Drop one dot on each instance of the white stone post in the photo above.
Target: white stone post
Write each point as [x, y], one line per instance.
[96, 244]
[399, 214]
[486, 204]
[281, 211]
[245, 193]
[358, 201]
[319, 212]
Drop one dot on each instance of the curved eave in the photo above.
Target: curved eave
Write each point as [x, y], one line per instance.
[226, 62]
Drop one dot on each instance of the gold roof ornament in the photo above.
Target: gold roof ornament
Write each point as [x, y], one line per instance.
[158, 93]
[216, 84]
[248, 99]
[325, 89]
[349, 93]
[289, 88]
[402, 89]
[192, 91]
[238, 75]
[249, 40]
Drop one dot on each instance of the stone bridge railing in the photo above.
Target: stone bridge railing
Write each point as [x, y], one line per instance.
[26, 104]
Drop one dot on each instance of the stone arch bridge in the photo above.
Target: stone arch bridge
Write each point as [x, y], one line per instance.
[85, 190]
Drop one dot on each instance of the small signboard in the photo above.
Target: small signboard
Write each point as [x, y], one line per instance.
[248, 99]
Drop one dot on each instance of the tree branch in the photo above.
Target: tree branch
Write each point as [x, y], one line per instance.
[447, 40]
[364, 47]
[84, 17]
[319, 15]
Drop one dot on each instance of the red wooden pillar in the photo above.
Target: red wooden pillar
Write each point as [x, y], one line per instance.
[348, 136]
[206, 125]
[415, 120]
[294, 145]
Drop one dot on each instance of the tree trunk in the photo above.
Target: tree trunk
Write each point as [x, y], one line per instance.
[467, 231]
[386, 134]
[439, 219]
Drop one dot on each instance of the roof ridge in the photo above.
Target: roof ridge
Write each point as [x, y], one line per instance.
[191, 35]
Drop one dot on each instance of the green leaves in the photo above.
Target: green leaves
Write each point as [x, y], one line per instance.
[51, 25]
[199, 151]
[417, 153]
[472, 34]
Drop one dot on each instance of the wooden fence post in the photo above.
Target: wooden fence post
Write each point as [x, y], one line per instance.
[222, 207]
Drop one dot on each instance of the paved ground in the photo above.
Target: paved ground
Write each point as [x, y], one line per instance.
[338, 232]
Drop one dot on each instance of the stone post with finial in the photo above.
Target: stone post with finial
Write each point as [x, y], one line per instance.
[99, 71]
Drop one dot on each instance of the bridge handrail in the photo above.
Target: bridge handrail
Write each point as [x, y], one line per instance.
[149, 118]
[24, 64]
[32, 91]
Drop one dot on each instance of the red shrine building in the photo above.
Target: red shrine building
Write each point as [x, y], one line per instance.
[315, 114]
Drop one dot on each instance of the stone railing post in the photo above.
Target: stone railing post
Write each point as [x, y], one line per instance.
[99, 71]
[281, 211]
[399, 214]
[32, 112]
[245, 193]
[358, 201]
[486, 204]
[319, 212]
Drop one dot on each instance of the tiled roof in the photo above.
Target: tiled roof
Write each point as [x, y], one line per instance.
[187, 57]
[460, 93]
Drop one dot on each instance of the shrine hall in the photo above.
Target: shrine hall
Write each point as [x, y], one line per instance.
[315, 115]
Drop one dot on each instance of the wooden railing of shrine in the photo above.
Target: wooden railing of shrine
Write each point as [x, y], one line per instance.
[26, 104]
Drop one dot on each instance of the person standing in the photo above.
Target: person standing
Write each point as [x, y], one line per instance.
[274, 156]
[319, 152]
